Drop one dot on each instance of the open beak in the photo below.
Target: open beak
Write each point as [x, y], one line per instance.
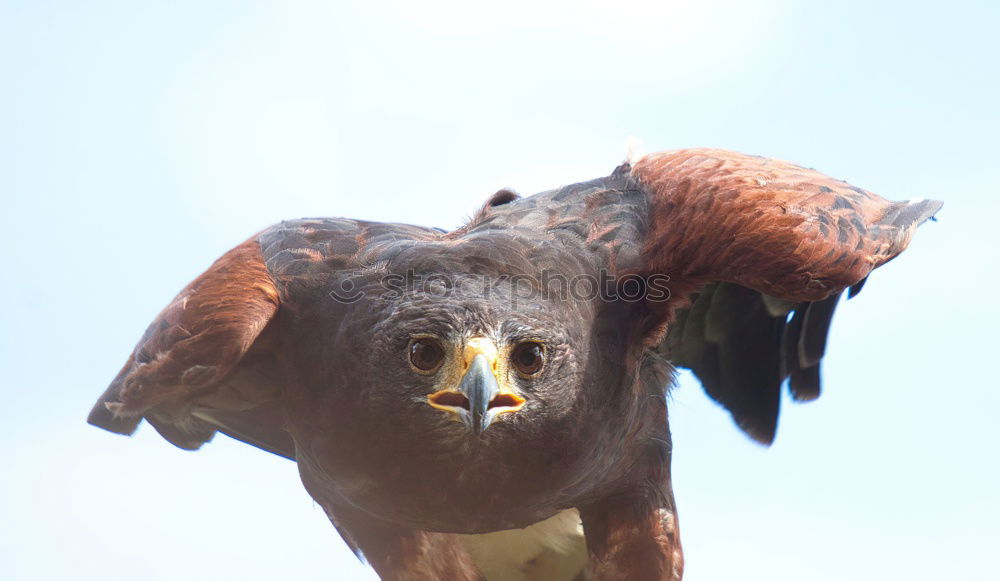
[478, 399]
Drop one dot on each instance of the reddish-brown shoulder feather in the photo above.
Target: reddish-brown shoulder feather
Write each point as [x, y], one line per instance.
[195, 341]
[778, 228]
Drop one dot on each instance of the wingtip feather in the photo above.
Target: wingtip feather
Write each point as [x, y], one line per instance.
[103, 416]
[760, 433]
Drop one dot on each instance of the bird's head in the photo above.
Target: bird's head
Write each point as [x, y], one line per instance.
[460, 356]
[455, 371]
[475, 366]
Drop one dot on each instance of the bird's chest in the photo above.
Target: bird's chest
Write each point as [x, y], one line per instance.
[462, 487]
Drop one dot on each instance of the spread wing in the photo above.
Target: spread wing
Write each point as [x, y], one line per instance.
[762, 249]
[207, 363]
[207, 354]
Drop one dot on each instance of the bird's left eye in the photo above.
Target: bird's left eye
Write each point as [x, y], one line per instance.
[528, 358]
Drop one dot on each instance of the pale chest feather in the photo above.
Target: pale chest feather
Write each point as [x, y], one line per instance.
[551, 550]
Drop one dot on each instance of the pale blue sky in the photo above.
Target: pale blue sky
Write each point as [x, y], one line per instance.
[140, 140]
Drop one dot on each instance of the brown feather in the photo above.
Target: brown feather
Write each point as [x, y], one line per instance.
[189, 350]
[778, 228]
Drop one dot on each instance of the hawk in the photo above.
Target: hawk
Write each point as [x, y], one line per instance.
[490, 402]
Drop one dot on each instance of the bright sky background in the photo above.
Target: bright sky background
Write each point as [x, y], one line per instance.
[140, 140]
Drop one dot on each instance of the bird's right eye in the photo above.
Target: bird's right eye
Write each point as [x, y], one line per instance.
[426, 354]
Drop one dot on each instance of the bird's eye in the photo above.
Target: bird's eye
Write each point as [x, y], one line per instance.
[426, 354]
[528, 358]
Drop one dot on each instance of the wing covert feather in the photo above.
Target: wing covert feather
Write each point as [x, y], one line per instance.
[195, 341]
[778, 228]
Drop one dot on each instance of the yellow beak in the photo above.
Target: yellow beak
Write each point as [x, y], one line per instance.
[478, 398]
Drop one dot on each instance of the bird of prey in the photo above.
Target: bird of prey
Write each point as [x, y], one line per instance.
[490, 402]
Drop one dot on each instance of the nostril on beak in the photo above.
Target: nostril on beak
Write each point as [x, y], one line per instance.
[451, 399]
